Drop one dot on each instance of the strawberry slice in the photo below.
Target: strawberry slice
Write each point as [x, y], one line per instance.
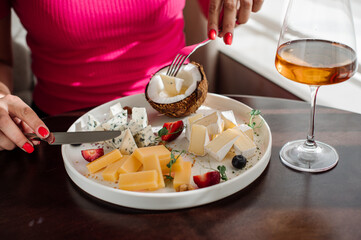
[92, 154]
[207, 179]
[171, 130]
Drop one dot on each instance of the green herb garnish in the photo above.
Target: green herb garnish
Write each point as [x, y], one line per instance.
[222, 171]
[253, 114]
[173, 160]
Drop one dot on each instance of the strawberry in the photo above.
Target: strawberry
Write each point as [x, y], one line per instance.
[171, 130]
[92, 154]
[207, 179]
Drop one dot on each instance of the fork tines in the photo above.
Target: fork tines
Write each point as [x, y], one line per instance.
[176, 65]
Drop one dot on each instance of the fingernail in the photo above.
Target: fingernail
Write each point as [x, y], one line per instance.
[212, 34]
[28, 147]
[228, 38]
[43, 131]
[237, 22]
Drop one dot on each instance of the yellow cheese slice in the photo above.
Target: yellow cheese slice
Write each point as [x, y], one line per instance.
[199, 138]
[151, 162]
[104, 161]
[110, 173]
[184, 176]
[189, 121]
[137, 181]
[176, 167]
[160, 150]
[130, 164]
[246, 129]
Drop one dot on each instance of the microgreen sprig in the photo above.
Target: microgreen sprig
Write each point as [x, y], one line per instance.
[222, 170]
[254, 113]
[173, 160]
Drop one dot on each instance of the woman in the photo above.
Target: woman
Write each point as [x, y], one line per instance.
[85, 53]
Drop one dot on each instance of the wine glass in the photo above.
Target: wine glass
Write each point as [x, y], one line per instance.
[317, 46]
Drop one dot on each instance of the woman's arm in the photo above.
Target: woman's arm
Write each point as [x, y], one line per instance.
[6, 61]
[15, 116]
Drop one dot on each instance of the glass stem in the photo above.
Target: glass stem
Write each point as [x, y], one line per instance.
[310, 142]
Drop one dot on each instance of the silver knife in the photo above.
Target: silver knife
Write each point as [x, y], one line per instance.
[78, 137]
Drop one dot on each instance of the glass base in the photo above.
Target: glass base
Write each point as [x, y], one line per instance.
[299, 156]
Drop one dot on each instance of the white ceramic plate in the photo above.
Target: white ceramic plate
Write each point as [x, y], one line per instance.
[167, 198]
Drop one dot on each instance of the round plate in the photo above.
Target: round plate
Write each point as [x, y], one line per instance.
[167, 198]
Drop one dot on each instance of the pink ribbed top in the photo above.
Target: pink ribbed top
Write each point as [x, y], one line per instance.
[87, 52]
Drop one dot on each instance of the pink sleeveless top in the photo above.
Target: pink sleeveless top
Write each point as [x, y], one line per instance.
[87, 52]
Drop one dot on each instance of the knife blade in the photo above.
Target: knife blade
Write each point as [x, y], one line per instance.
[78, 137]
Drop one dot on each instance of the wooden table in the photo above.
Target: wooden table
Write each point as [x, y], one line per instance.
[39, 201]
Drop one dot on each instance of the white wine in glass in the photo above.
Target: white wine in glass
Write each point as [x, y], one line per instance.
[317, 46]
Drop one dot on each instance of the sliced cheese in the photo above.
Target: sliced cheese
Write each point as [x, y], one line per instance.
[115, 109]
[172, 85]
[128, 144]
[139, 115]
[160, 150]
[104, 161]
[244, 145]
[229, 119]
[220, 146]
[110, 173]
[199, 138]
[189, 121]
[246, 129]
[176, 167]
[151, 162]
[213, 122]
[129, 164]
[184, 176]
[138, 180]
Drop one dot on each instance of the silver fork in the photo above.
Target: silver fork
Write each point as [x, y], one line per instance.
[182, 56]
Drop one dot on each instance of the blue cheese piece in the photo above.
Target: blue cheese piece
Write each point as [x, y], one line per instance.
[128, 144]
[134, 127]
[115, 109]
[220, 146]
[91, 123]
[115, 142]
[145, 137]
[116, 122]
[139, 115]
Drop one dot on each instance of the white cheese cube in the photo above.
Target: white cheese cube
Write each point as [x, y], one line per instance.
[172, 85]
[220, 146]
[145, 137]
[140, 116]
[189, 121]
[213, 122]
[78, 126]
[199, 138]
[246, 129]
[244, 145]
[115, 109]
[128, 144]
[116, 122]
[134, 127]
[229, 119]
[91, 123]
[115, 142]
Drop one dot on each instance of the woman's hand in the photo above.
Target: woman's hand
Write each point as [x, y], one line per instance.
[223, 15]
[17, 118]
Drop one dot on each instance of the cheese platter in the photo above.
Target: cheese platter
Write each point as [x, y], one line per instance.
[222, 119]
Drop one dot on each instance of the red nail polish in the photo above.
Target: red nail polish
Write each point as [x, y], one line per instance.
[212, 34]
[43, 131]
[238, 23]
[28, 147]
[228, 38]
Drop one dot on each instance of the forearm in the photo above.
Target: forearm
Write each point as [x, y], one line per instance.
[6, 83]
